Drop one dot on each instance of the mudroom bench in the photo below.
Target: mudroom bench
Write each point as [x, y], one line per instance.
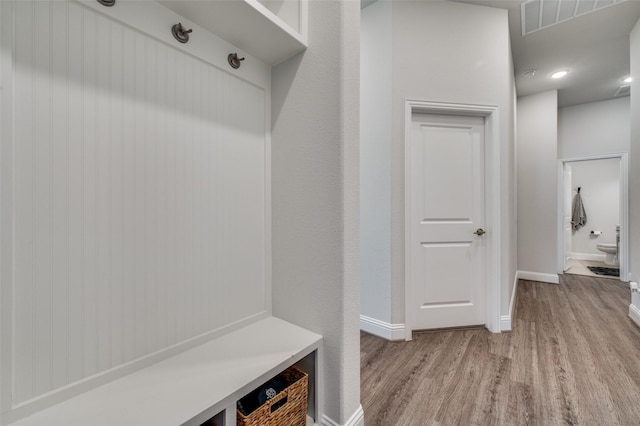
[197, 385]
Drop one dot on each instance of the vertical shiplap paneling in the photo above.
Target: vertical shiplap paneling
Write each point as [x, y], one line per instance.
[170, 205]
[42, 197]
[89, 178]
[201, 213]
[116, 195]
[59, 193]
[189, 190]
[139, 141]
[253, 160]
[161, 225]
[245, 156]
[197, 120]
[74, 225]
[128, 196]
[222, 167]
[24, 146]
[214, 87]
[105, 129]
[139, 196]
[179, 224]
[211, 89]
[149, 162]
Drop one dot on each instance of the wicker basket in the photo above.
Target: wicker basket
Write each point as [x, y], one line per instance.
[288, 408]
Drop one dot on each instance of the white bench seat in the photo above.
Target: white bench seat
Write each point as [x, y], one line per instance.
[189, 387]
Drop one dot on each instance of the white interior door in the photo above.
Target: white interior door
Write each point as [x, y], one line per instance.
[447, 221]
[566, 220]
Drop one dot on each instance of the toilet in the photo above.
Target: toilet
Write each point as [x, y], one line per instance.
[611, 252]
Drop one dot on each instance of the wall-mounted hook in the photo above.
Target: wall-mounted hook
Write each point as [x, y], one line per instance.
[234, 61]
[180, 33]
[107, 3]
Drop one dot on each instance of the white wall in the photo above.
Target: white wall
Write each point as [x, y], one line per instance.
[634, 158]
[315, 118]
[460, 53]
[599, 181]
[376, 70]
[594, 128]
[134, 195]
[537, 182]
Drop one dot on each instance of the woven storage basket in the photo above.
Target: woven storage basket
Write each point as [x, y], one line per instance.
[291, 411]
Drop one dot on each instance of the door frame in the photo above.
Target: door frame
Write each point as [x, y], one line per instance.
[492, 167]
[623, 255]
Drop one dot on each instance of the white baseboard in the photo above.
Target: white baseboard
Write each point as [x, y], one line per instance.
[505, 323]
[357, 419]
[589, 256]
[538, 276]
[505, 320]
[382, 329]
[634, 314]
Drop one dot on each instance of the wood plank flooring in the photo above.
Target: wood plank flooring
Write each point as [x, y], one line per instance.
[573, 358]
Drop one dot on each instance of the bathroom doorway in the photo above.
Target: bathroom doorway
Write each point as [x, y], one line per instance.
[593, 216]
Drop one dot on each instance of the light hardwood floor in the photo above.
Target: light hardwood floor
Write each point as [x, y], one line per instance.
[573, 358]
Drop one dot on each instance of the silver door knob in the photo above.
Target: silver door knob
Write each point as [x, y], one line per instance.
[480, 231]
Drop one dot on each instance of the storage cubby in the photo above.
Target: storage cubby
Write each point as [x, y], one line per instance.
[217, 420]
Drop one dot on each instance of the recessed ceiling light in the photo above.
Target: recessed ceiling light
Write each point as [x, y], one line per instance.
[627, 80]
[559, 74]
[529, 73]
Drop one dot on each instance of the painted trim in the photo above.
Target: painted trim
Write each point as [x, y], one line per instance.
[506, 321]
[357, 419]
[623, 255]
[207, 46]
[589, 256]
[539, 276]
[514, 292]
[493, 173]
[634, 314]
[382, 329]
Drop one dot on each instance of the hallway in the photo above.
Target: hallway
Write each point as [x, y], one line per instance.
[572, 358]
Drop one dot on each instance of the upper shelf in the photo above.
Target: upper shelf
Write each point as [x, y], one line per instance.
[250, 25]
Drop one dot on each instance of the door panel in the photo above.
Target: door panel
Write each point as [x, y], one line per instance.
[442, 259]
[442, 143]
[447, 207]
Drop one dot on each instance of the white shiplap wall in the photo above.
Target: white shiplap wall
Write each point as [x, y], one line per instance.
[137, 198]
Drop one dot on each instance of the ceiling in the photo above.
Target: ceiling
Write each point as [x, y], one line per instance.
[594, 47]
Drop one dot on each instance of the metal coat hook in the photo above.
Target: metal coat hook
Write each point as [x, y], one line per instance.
[234, 61]
[107, 3]
[180, 33]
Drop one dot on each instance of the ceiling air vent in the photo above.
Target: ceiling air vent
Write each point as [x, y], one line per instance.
[624, 90]
[539, 14]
